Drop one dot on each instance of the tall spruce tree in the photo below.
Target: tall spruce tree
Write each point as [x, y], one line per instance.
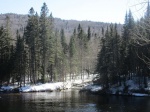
[32, 40]
[5, 49]
[73, 55]
[126, 47]
[20, 60]
[82, 49]
[44, 39]
[108, 57]
[58, 59]
[3, 52]
[89, 33]
[64, 53]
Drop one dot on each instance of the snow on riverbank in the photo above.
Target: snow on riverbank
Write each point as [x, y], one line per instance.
[6, 88]
[39, 87]
[77, 82]
[92, 88]
[130, 88]
[139, 94]
[42, 87]
[51, 86]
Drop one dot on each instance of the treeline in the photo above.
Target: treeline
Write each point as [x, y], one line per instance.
[42, 53]
[126, 56]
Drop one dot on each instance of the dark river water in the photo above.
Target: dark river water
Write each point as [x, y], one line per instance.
[71, 101]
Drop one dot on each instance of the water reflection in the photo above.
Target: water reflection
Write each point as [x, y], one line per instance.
[71, 101]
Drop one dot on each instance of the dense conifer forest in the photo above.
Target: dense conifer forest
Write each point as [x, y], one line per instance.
[127, 56]
[41, 52]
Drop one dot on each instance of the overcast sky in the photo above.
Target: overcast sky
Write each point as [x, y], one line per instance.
[94, 10]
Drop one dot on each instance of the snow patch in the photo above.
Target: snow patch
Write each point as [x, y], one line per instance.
[132, 85]
[7, 88]
[139, 94]
[42, 87]
[39, 87]
[93, 88]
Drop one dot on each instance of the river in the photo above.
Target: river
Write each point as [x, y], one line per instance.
[71, 101]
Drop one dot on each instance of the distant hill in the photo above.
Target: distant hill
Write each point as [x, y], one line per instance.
[19, 22]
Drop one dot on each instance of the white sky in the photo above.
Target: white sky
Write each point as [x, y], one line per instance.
[94, 10]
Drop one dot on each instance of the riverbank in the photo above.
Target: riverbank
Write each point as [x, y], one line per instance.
[37, 87]
[51, 86]
[130, 88]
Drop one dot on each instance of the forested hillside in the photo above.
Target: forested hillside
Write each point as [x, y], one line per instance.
[40, 48]
[126, 57]
[19, 22]
[51, 64]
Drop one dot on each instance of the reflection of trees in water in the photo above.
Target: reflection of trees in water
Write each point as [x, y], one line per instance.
[72, 101]
[123, 104]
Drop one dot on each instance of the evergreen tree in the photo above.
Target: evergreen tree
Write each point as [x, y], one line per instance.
[32, 40]
[58, 59]
[64, 53]
[44, 38]
[20, 60]
[63, 41]
[5, 50]
[89, 33]
[51, 45]
[109, 57]
[129, 26]
[3, 54]
[81, 50]
[72, 55]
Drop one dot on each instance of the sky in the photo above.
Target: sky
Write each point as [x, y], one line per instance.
[112, 11]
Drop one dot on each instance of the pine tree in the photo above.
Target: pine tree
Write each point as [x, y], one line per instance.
[109, 57]
[3, 58]
[72, 55]
[32, 40]
[63, 41]
[101, 67]
[20, 59]
[81, 37]
[129, 26]
[89, 33]
[11, 65]
[44, 38]
[59, 59]
[64, 53]
[5, 49]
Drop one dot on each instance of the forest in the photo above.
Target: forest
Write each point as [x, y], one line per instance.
[43, 54]
[127, 56]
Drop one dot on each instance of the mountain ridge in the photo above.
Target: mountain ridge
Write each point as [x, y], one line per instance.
[19, 22]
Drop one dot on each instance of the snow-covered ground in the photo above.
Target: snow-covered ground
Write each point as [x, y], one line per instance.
[132, 89]
[86, 83]
[49, 86]
[40, 87]
[92, 88]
